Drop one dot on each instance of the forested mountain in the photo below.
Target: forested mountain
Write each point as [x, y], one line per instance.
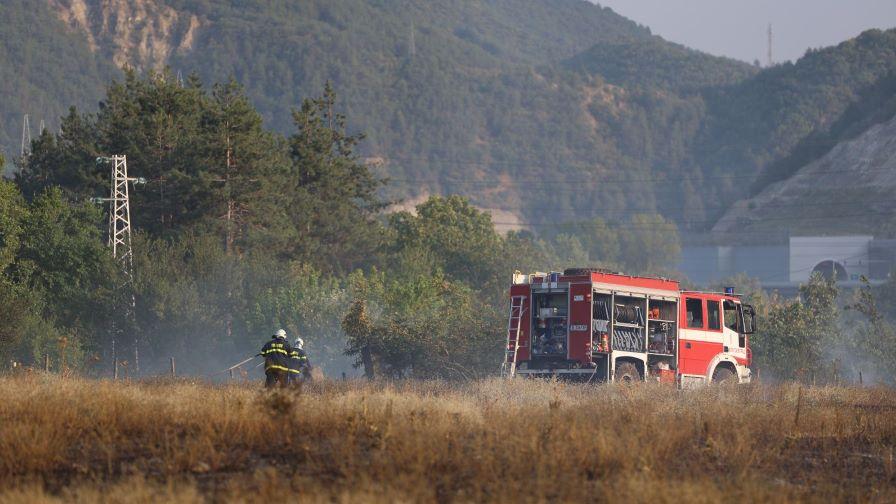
[761, 120]
[550, 110]
[654, 62]
[44, 70]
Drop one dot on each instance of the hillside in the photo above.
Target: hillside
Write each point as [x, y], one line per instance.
[761, 120]
[44, 69]
[848, 190]
[489, 100]
[654, 62]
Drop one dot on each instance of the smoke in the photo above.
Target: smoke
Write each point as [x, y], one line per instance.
[849, 366]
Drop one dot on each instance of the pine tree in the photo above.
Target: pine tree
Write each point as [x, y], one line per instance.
[239, 155]
[331, 196]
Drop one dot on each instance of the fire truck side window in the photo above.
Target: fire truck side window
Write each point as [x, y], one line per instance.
[712, 308]
[694, 309]
[732, 317]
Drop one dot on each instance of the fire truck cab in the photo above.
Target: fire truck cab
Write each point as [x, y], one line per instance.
[600, 326]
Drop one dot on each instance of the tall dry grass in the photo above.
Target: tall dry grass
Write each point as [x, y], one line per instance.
[80, 440]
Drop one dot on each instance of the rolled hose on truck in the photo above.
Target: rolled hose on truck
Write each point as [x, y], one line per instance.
[628, 314]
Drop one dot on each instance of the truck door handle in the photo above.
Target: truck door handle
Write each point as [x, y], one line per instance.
[687, 345]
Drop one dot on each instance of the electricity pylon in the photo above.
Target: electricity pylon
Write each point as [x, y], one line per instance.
[120, 216]
[120, 238]
[26, 136]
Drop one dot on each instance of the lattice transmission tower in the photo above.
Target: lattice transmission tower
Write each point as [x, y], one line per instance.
[26, 136]
[120, 240]
[120, 216]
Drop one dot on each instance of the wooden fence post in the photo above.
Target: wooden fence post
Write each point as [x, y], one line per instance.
[47, 363]
[173, 374]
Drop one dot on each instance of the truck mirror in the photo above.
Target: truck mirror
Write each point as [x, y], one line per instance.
[749, 319]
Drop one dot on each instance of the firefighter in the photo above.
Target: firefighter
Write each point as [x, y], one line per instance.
[299, 367]
[276, 360]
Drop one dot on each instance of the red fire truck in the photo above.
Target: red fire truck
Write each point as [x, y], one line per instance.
[601, 326]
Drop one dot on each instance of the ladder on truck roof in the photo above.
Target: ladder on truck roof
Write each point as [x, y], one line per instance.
[514, 323]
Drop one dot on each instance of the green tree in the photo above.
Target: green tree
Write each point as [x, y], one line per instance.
[461, 238]
[17, 305]
[600, 240]
[62, 255]
[359, 337]
[242, 158]
[649, 243]
[56, 277]
[570, 252]
[793, 340]
[63, 258]
[329, 196]
[422, 327]
[304, 302]
[873, 346]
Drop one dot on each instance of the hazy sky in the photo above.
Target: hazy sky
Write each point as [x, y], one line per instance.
[738, 28]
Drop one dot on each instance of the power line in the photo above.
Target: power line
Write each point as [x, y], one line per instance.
[584, 217]
[661, 208]
[518, 164]
[624, 225]
[627, 210]
[597, 180]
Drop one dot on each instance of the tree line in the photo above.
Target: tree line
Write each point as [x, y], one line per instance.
[239, 230]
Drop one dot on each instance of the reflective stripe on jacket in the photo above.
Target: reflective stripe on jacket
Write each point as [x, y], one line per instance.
[298, 359]
[276, 355]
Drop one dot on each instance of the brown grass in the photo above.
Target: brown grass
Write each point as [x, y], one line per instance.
[80, 440]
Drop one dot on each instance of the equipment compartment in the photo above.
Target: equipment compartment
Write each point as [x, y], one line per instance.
[628, 323]
[600, 324]
[549, 321]
[661, 326]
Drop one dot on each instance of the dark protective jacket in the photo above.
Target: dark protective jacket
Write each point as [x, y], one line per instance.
[298, 362]
[276, 355]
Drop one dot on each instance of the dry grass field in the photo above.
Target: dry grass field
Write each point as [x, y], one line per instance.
[81, 440]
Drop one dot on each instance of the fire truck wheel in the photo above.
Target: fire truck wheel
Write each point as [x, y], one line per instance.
[723, 376]
[626, 372]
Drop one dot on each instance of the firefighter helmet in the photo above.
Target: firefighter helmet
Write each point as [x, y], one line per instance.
[280, 334]
[299, 343]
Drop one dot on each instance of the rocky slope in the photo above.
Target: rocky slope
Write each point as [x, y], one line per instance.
[140, 33]
[850, 189]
